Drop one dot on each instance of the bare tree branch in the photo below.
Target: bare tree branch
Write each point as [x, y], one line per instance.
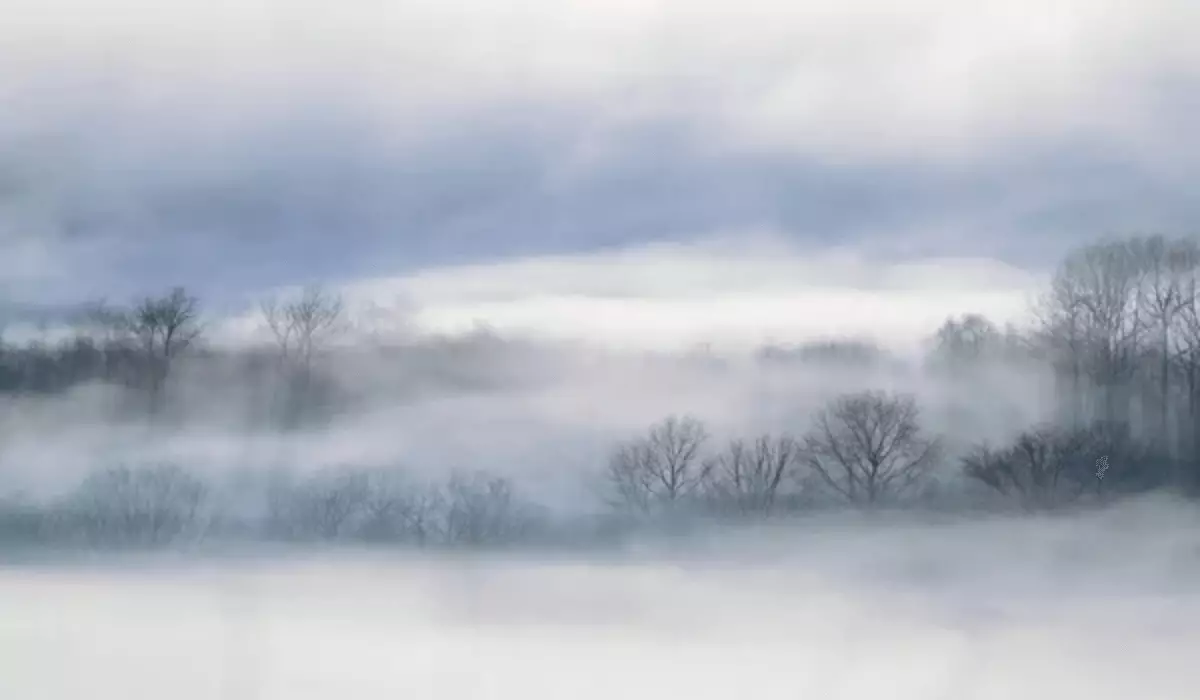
[663, 468]
[301, 327]
[749, 477]
[868, 447]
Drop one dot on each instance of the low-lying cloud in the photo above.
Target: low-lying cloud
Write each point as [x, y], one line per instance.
[1088, 607]
[738, 293]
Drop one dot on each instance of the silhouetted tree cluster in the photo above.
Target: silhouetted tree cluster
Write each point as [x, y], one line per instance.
[1049, 467]
[864, 449]
[1120, 325]
[135, 347]
[1118, 330]
[147, 505]
[388, 506]
[162, 504]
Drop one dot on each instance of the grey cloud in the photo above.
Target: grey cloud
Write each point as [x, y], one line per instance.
[119, 193]
[302, 199]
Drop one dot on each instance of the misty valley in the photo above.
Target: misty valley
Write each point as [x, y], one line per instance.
[318, 508]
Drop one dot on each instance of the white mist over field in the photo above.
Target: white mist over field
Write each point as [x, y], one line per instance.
[1096, 606]
[450, 276]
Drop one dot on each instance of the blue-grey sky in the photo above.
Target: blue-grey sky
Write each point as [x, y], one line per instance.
[238, 147]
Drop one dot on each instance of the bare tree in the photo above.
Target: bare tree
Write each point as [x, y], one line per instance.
[1186, 358]
[1108, 277]
[868, 446]
[482, 509]
[1122, 320]
[138, 345]
[1059, 338]
[302, 325]
[399, 509]
[1029, 471]
[149, 505]
[164, 327]
[167, 325]
[1166, 265]
[661, 469]
[323, 506]
[300, 328]
[1049, 467]
[423, 514]
[750, 477]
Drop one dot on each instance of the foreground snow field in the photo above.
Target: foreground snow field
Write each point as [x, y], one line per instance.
[1094, 607]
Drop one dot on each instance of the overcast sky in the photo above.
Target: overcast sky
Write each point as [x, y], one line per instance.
[667, 171]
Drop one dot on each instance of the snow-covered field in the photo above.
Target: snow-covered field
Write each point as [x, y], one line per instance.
[1102, 606]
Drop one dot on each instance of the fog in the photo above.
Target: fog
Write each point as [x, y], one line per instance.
[1081, 607]
[688, 348]
[546, 414]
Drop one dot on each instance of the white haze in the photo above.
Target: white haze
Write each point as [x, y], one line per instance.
[588, 350]
[734, 292]
[1098, 607]
[104, 99]
[545, 414]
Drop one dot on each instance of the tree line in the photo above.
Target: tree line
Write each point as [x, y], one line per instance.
[137, 348]
[868, 449]
[160, 504]
[862, 450]
[1118, 329]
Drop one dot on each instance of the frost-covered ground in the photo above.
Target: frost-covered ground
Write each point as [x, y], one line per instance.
[1099, 606]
